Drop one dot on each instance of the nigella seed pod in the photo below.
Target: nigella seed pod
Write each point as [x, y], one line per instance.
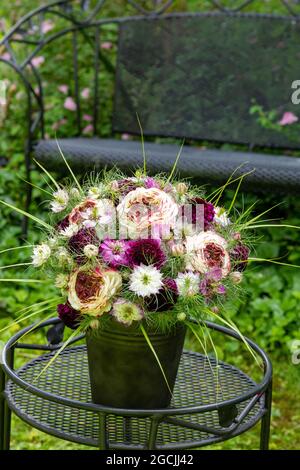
[181, 316]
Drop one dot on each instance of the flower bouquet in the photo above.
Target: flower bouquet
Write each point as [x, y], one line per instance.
[137, 261]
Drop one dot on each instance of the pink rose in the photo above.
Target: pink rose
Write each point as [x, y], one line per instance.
[87, 117]
[85, 94]
[77, 214]
[63, 89]
[6, 56]
[70, 104]
[88, 129]
[288, 118]
[47, 26]
[37, 61]
[144, 208]
[106, 45]
[207, 251]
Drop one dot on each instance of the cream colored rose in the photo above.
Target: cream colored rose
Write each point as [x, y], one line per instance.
[76, 215]
[144, 208]
[92, 292]
[207, 251]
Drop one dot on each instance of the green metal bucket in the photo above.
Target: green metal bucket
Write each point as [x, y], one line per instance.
[123, 370]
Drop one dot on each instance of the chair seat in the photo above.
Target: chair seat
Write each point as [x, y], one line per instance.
[214, 166]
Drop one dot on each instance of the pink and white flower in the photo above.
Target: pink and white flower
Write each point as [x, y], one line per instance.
[207, 251]
[143, 208]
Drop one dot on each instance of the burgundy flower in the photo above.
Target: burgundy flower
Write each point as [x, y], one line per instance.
[209, 211]
[146, 251]
[68, 315]
[126, 185]
[151, 183]
[62, 224]
[165, 299]
[238, 255]
[85, 236]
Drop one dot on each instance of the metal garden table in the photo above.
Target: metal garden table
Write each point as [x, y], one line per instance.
[212, 401]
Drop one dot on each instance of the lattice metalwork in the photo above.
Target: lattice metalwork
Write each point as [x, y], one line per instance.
[198, 383]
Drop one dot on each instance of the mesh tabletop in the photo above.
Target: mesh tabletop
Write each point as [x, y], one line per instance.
[197, 384]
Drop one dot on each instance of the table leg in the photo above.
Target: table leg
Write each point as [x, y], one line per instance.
[2, 403]
[266, 420]
[102, 432]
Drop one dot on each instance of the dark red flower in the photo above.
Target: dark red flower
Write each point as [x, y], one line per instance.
[146, 251]
[239, 255]
[165, 299]
[126, 185]
[68, 315]
[62, 224]
[208, 212]
[85, 236]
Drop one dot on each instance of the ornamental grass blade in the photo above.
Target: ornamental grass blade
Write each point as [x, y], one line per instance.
[68, 166]
[47, 173]
[143, 145]
[61, 349]
[26, 214]
[156, 357]
[16, 248]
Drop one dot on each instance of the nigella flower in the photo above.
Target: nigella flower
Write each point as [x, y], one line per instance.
[165, 299]
[77, 243]
[68, 315]
[41, 253]
[60, 200]
[188, 283]
[146, 251]
[114, 252]
[239, 256]
[210, 284]
[145, 280]
[126, 312]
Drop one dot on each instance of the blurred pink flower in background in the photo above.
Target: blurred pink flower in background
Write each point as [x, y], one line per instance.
[47, 26]
[88, 129]
[87, 117]
[85, 93]
[288, 118]
[36, 90]
[106, 45]
[37, 61]
[70, 104]
[56, 125]
[125, 136]
[6, 56]
[63, 89]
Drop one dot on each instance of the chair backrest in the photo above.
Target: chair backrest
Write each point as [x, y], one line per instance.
[198, 75]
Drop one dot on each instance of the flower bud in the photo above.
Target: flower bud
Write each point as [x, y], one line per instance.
[237, 236]
[181, 316]
[114, 185]
[236, 277]
[61, 281]
[215, 309]
[90, 251]
[181, 188]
